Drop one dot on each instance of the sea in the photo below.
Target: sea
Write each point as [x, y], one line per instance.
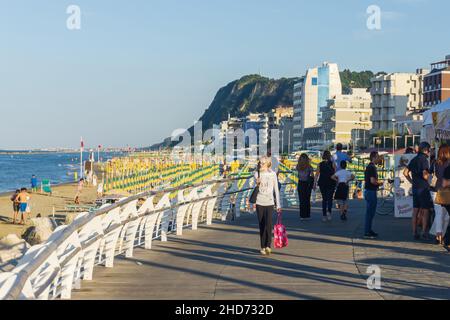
[16, 168]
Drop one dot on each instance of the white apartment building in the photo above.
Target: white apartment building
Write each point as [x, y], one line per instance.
[311, 95]
[298, 124]
[396, 96]
[345, 113]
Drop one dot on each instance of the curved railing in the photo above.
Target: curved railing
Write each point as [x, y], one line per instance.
[53, 269]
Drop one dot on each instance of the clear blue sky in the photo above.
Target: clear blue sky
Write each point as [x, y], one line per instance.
[139, 69]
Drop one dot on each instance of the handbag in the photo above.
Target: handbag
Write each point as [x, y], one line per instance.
[443, 197]
[255, 192]
[441, 221]
[280, 238]
[434, 179]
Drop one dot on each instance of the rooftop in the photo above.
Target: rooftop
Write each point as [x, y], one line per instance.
[441, 65]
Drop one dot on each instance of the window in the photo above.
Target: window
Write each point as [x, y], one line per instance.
[314, 81]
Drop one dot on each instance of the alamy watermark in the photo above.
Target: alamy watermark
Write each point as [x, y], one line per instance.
[233, 143]
[374, 17]
[73, 22]
[374, 280]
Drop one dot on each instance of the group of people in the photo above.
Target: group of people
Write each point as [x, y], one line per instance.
[20, 199]
[430, 180]
[332, 179]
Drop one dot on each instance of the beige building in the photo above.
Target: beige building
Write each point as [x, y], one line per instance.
[344, 114]
[396, 96]
[279, 113]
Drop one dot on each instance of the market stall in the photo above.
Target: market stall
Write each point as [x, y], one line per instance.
[430, 119]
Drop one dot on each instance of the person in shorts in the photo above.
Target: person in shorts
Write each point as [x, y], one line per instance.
[34, 183]
[418, 174]
[22, 198]
[343, 177]
[16, 205]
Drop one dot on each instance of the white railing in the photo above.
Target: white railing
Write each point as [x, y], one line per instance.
[53, 269]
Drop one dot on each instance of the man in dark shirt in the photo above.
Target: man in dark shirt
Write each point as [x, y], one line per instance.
[370, 194]
[418, 174]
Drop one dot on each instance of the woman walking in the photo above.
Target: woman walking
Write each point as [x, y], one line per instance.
[305, 186]
[268, 196]
[326, 185]
[441, 217]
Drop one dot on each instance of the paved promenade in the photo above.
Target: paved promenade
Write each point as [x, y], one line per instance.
[323, 261]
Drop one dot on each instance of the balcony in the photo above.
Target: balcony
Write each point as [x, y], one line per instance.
[375, 91]
[376, 118]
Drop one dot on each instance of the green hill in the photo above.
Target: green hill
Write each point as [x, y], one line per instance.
[252, 93]
[352, 79]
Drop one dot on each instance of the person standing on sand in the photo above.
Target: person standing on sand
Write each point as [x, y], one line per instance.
[34, 184]
[22, 198]
[79, 190]
[16, 205]
[100, 189]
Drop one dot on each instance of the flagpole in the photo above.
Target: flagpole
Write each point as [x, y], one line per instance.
[81, 158]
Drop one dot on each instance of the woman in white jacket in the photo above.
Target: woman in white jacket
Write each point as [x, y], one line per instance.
[268, 197]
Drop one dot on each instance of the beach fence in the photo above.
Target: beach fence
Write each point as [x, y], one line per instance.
[53, 269]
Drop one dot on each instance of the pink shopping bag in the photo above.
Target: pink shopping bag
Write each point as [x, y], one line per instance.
[280, 235]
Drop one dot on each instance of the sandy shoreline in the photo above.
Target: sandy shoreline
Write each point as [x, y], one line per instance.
[63, 195]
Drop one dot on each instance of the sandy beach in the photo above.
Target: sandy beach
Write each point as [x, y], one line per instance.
[43, 204]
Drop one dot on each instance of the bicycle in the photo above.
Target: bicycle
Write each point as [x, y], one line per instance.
[386, 201]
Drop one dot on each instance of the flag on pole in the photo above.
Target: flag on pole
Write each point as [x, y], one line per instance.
[81, 157]
[408, 129]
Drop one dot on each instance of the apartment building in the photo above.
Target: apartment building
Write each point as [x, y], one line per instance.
[395, 96]
[311, 95]
[345, 113]
[436, 84]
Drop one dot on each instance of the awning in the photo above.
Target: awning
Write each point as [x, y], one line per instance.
[428, 115]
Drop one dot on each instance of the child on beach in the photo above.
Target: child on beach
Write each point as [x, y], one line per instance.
[343, 177]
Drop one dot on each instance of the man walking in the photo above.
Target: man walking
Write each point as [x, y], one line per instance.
[372, 185]
[418, 173]
[340, 156]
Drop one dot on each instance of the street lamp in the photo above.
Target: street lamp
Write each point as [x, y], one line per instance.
[393, 136]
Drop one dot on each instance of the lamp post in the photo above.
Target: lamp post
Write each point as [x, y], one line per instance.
[393, 136]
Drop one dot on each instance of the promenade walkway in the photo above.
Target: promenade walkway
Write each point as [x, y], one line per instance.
[323, 261]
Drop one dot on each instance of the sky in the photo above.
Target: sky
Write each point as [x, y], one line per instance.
[137, 70]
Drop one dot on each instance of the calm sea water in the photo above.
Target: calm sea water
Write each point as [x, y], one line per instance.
[16, 169]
